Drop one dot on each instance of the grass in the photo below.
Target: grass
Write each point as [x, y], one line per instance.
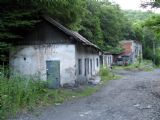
[146, 65]
[106, 74]
[20, 93]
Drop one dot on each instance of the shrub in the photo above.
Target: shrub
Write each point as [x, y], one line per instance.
[106, 74]
[18, 92]
[145, 65]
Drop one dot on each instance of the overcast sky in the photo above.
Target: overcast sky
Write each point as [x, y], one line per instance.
[131, 4]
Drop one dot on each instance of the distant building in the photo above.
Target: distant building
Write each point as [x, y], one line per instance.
[55, 54]
[108, 59]
[132, 51]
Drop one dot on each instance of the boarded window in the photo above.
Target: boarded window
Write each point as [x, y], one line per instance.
[80, 66]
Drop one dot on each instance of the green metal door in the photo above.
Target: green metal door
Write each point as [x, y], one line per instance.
[53, 74]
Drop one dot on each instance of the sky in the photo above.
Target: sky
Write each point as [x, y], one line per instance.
[132, 5]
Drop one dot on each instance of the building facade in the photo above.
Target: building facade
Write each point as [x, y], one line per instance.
[132, 51]
[108, 59]
[55, 54]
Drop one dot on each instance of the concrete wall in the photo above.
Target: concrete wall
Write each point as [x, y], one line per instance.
[83, 53]
[31, 60]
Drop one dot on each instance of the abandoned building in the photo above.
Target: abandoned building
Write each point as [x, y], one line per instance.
[55, 54]
[132, 51]
[108, 59]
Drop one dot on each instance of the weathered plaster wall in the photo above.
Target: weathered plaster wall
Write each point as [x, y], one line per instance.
[108, 60]
[87, 53]
[31, 60]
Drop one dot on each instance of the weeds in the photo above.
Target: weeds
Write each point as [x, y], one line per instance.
[106, 74]
[20, 93]
[145, 65]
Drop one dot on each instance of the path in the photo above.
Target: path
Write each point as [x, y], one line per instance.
[134, 97]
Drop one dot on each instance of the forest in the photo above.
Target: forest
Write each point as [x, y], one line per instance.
[100, 21]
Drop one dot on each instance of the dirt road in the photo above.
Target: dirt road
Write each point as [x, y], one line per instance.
[134, 97]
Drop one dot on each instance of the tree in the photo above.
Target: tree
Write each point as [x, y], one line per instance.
[138, 16]
[153, 25]
[20, 16]
[105, 24]
[91, 28]
[152, 3]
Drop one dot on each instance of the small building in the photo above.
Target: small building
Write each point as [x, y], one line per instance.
[108, 59]
[55, 54]
[132, 51]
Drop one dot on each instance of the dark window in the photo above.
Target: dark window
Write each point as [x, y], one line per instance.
[97, 62]
[79, 66]
[88, 65]
[91, 66]
[85, 65]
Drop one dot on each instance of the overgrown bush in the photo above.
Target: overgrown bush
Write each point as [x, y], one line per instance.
[106, 74]
[145, 65]
[18, 92]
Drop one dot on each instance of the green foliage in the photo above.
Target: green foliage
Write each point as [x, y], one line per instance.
[4, 49]
[68, 12]
[112, 24]
[137, 19]
[145, 65]
[91, 29]
[21, 16]
[17, 16]
[146, 29]
[116, 50]
[137, 16]
[105, 25]
[101, 22]
[153, 23]
[106, 74]
[152, 38]
[18, 93]
[152, 3]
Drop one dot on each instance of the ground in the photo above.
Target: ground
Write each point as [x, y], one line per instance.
[136, 96]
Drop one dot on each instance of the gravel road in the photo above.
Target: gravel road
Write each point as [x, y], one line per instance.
[136, 96]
